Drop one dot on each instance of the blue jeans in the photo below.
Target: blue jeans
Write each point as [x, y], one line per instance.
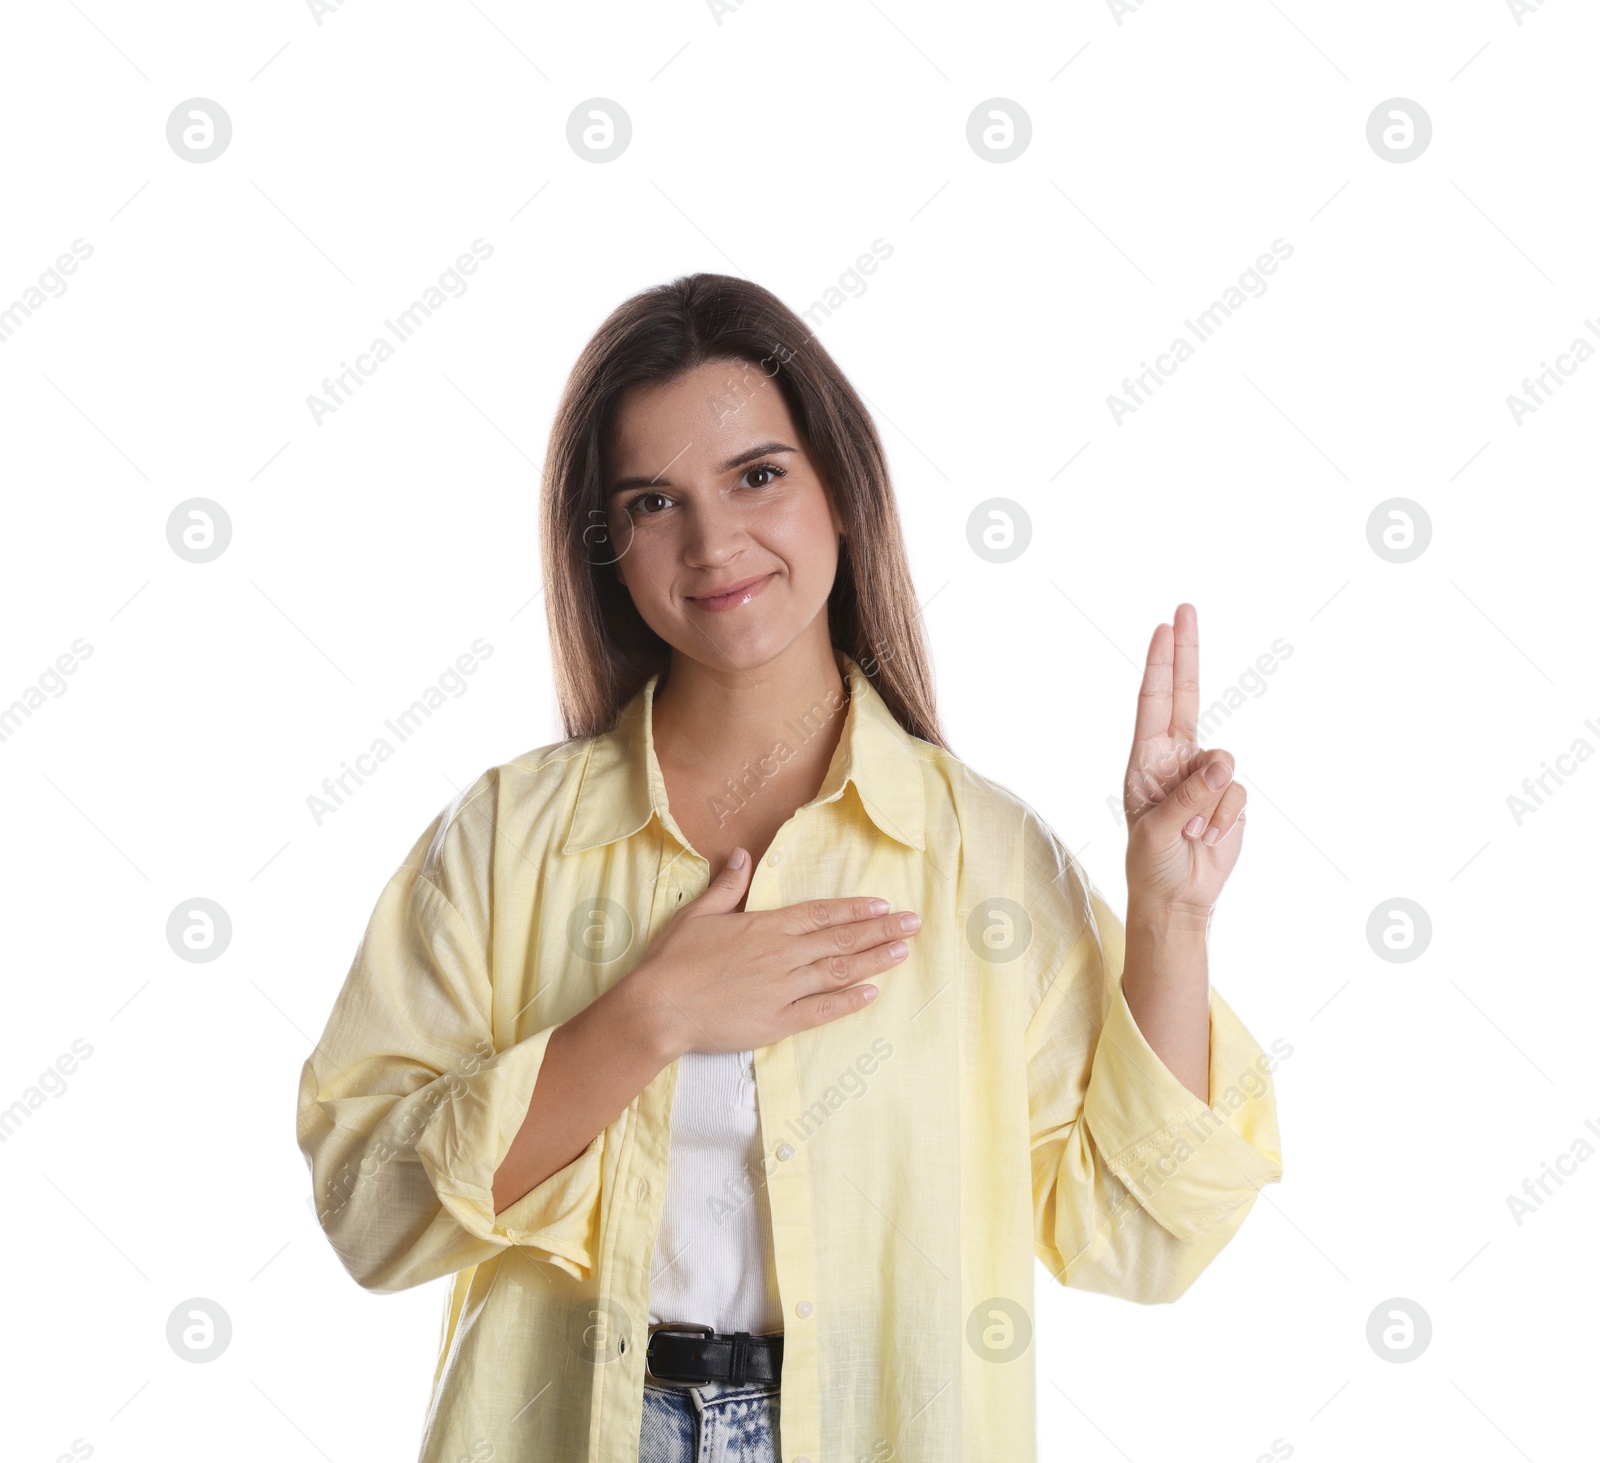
[715, 1423]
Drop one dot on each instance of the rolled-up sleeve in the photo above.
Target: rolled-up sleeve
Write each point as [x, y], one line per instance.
[1138, 1184]
[406, 1110]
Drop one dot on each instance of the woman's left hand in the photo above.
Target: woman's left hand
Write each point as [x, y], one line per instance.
[1184, 834]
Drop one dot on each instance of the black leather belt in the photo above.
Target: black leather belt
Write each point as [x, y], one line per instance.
[696, 1355]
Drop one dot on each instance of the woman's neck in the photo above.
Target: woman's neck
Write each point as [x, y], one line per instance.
[709, 717]
[772, 731]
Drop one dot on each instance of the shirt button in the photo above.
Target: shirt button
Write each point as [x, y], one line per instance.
[785, 1152]
[772, 858]
[803, 1309]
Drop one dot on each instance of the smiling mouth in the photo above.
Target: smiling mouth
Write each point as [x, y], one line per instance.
[734, 596]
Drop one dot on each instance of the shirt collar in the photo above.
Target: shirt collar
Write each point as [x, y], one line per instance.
[622, 783]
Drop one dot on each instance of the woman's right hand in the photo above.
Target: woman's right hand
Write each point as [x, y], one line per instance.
[720, 979]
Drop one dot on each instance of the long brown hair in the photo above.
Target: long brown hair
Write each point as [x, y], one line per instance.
[602, 649]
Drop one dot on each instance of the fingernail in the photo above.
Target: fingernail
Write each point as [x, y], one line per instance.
[869, 993]
[1212, 835]
[878, 906]
[1194, 825]
[736, 859]
[911, 921]
[1218, 774]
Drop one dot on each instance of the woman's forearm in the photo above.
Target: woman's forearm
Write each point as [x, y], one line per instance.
[1165, 980]
[595, 1064]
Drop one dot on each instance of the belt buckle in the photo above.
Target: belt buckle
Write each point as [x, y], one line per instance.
[677, 1328]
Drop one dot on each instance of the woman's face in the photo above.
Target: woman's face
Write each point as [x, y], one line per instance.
[708, 489]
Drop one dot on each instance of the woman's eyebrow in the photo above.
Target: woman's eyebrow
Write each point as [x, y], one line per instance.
[764, 449]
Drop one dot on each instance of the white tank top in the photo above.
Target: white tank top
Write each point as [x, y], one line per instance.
[714, 1262]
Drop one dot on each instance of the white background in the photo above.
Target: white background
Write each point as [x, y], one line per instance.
[1168, 151]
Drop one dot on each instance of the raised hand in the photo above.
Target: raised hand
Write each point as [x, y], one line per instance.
[1184, 831]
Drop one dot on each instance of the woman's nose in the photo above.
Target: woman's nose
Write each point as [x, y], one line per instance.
[713, 533]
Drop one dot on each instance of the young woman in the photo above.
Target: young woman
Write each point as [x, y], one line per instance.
[738, 1055]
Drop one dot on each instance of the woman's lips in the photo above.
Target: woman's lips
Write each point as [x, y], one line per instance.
[735, 597]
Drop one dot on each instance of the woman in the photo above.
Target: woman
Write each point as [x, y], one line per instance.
[738, 1055]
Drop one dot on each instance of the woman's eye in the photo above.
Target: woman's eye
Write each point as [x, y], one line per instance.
[634, 507]
[767, 467]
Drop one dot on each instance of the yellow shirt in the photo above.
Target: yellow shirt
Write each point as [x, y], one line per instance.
[997, 1102]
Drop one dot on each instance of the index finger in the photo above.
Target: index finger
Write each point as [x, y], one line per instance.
[1154, 716]
[853, 924]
